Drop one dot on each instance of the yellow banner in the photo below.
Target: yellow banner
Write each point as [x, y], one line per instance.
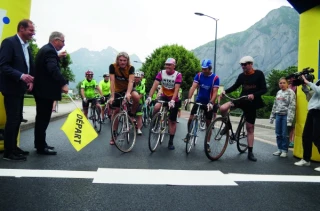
[78, 130]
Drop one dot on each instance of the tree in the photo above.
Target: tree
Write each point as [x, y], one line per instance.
[187, 64]
[274, 76]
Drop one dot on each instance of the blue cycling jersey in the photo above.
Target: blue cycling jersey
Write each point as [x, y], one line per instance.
[206, 85]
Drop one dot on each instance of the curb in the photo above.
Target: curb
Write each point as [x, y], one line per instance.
[257, 125]
[27, 126]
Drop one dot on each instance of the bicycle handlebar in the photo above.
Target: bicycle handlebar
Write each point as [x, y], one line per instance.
[244, 97]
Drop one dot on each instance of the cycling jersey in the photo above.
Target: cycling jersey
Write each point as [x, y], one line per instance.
[89, 88]
[168, 82]
[105, 87]
[206, 85]
[121, 76]
[141, 89]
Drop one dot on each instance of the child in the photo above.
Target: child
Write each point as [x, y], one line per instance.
[283, 111]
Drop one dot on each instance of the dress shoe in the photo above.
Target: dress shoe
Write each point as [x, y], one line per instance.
[21, 152]
[46, 151]
[50, 147]
[14, 157]
[24, 120]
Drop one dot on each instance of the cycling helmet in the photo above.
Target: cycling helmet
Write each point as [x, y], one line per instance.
[106, 75]
[89, 72]
[159, 86]
[246, 59]
[137, 74]
[206, 63]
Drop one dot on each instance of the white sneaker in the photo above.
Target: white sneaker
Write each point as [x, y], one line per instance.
[317, 169]
[283, 155]
[302, 163]
[277, 153]
[139, 132]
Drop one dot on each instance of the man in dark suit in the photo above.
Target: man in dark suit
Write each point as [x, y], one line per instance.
[16, 77]
[48, 85]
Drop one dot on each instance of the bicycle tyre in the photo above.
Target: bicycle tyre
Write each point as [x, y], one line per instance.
[125, 138]
[202, 122]
[218, 142]
[191, 138]
[154, 132]
[241, 137]
[98, 121]
[93, 118]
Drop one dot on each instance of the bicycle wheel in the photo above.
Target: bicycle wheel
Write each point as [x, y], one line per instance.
[154, 132]
[98, 121]
[125, 133]
[218, 135]
[145, 118]
[192, 136]
[241, 137]
[164, 127]
[93, 117]
[202, 122]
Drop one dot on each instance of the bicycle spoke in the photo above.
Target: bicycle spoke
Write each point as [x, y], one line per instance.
[155, 132]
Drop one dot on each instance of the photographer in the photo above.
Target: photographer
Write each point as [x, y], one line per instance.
[310, 132]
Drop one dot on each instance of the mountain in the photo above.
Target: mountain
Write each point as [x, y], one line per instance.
[97, 61]
[272, 42]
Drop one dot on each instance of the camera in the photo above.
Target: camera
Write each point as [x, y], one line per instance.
[297, 79]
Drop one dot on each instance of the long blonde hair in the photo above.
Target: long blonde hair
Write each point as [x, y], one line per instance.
[124, 54]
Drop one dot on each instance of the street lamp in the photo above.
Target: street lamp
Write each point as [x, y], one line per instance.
[215, 42]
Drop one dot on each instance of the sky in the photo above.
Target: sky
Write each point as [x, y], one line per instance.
[141, 26]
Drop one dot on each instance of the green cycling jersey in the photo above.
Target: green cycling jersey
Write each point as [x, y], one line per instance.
[105, 87]
[89, 88]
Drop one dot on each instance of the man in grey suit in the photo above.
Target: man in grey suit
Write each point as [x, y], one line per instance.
[16, 77]
[48, 86]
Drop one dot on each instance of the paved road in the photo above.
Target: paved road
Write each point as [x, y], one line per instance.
[85, 180]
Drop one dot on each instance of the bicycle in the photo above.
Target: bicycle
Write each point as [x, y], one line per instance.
[220, 132]
[95, 116]
[123, 128]
[159, 126]
[145, 116]
[195, 125]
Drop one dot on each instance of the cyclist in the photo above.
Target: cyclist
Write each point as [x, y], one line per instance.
[88, 88]
[253, 85]
[121, 84]
[208, 84]
[171, 81]
[104, 85]
[141, 89]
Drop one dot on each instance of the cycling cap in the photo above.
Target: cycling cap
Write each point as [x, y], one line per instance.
[89, 72]
[206, 63]
[171, 61]
[106, 75]
[137, 74]
[246, 59]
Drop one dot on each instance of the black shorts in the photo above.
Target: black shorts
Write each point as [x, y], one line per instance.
[85, 105]
[248, 109]
[215, 108]
[173, 111]
[207, 114]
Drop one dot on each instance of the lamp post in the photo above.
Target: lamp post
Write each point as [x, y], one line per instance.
[215, 42]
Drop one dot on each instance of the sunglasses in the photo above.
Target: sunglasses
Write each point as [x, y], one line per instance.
[245, 64]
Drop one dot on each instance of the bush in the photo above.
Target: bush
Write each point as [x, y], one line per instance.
[264, 113]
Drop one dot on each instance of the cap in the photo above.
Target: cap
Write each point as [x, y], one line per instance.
[171, 61]
[246, 59]
[206, 63]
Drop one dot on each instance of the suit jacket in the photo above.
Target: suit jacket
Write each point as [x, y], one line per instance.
[12, 65]
[48, 79]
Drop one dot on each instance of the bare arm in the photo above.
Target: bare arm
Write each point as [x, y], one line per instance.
[112, 78]
[130, 84]
[192, 89]
[153, 88]
[214, 95]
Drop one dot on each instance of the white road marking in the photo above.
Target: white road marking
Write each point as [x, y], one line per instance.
[162, 177]
[158, 177]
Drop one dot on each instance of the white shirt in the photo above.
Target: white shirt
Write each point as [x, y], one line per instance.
[25, 52]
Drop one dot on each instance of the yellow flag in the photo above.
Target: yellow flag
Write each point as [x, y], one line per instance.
[78, 130]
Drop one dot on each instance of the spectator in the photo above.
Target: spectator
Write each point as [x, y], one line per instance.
[48, 85]
[283, 111]
[16, 77]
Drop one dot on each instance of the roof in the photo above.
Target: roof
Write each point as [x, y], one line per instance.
[303, 5]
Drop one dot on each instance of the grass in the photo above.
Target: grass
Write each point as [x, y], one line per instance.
[31, 101]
